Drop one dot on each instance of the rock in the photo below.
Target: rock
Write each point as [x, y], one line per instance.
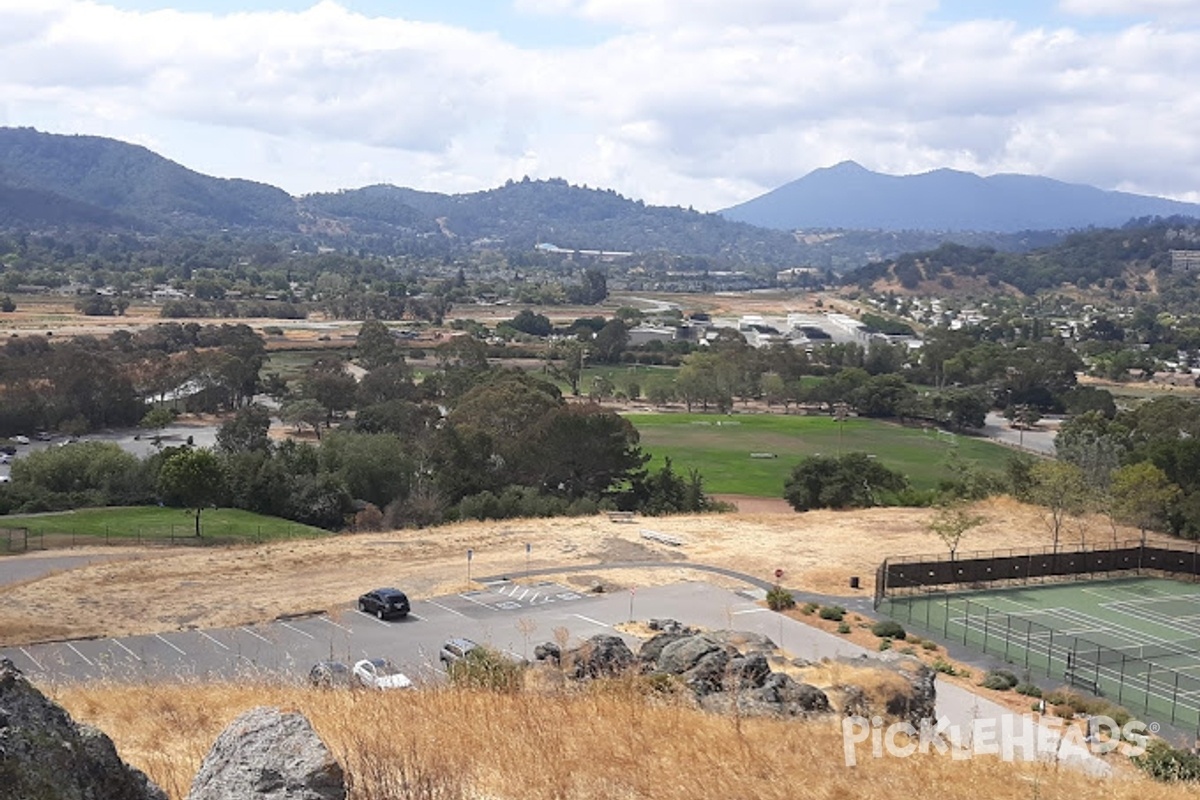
[780, 696]
[904, 689]
[671, 626]
[271, 755]
[921, 702]
[747, 672]
[685, 653]
[652, 648]
[745, 641]
[602, 655]
[45, 754]
[548, 651]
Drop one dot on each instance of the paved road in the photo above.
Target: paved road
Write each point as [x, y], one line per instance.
[1039, 440]
[14, 569]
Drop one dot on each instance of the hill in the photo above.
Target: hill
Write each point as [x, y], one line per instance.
[89, 182]
[849, 196]
[1105, 258]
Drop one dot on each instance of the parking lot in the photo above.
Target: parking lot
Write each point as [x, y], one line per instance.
[499, 615]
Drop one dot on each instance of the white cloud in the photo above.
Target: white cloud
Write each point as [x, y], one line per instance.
[703, 103]
[1166, 9]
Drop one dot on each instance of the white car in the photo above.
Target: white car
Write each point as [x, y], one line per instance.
[21, 439]
[379, 673]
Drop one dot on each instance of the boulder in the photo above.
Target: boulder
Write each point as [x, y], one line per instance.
[671, 626]
[904, 689]
[602, 655]
[745, 641]
[683, 654]
[748, 671]
[266, 754]
[652, 648]
[779, 696]
[548, 651]
[45, 754]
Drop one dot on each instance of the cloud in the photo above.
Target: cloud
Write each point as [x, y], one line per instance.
[703, 103]
[1163, 9]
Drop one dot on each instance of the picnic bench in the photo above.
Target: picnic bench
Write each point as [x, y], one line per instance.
[662, 537]
[620, 516]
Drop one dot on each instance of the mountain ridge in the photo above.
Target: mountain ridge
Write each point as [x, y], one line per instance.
[850, 196]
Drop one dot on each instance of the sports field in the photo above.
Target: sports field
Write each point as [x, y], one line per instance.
[1134, 641]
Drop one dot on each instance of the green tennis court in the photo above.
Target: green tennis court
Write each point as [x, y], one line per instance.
[1134, 641]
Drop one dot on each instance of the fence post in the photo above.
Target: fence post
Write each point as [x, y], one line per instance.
[946, 619]
[1050, 653]
[1028, 640]
[966, 620]
[1174, 697]
[1121, 681]
[987, 611]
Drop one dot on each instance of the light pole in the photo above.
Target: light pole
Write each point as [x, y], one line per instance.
[840, 411]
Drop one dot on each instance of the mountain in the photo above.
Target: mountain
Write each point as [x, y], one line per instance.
[93, 180]
[852, 197]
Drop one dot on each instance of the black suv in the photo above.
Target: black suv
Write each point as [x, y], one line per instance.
[384, 603]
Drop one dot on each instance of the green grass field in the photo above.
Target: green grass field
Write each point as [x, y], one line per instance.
[152, 522]
[1135, 641]
[719, 447]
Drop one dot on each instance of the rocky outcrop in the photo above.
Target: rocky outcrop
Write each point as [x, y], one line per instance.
[900, 687]
[601, 656]
[45, 754]
[268, 755]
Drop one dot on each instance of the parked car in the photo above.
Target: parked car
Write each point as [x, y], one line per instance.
[5, 458]
[328, 674]
[21, 439]
[384, 603]
[8, 449]
[455, 650]
[379, 673]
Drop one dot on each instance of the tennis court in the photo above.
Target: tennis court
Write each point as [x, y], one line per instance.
[1135, 641]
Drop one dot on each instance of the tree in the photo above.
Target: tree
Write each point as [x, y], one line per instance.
[1060, 490]
[7, 305]
[850, 481]
[246, 431]
[376, 346]
[1142, 494]
[950, 522]
[571, 355]
[192, 478]
[610, 342]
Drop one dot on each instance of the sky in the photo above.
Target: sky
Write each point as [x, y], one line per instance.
[700, 103]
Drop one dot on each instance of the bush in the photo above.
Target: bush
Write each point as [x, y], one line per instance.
[1164, 763]
[843, 627]
[944, 667]
[885, 644]
[834, 613]
[485, 668]
[888, 629]
[779, 598]
[1065, 711]
[999, 680]
[809, 608]
[1027, 689]
[928, 645]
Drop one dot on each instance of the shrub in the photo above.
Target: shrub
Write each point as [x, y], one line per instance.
[1065, 711]
[485, 668]
[944, 667]
[928, 645]
[999, 681]
[885, 644]
[835, 613]
[914, 639]
[843, 627]
[1027, 689]
[909, 650]
[779, 598]
[1164, 763]
[809, 608]
[888, 629]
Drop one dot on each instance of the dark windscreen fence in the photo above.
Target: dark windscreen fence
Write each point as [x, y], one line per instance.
[907, 574]
[934, 593]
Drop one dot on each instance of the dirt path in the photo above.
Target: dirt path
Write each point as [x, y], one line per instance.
[159, 590]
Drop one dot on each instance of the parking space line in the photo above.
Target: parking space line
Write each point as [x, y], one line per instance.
[36, 663]
[171, 645]
[476, 602]
[217, 642]
[334, 624]
[373, 618]
[417, 617]
[750, 611]
[445, 608]
[533, 599]
[297, 630]
[75, 650]
[255, 635]
[593, 621]
[126, 649]
[522, 597]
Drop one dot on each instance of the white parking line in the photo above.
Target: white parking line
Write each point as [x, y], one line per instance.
[334, 624]
[81, 655]
[533, 599]
[373, 618]
[297, 630]
[476, 602]
[169, 644]
[255, 635]
[593, 621]
[445, 608]
[217, 642]
[522, 597]
[126, 649]
[36, 663]
[750, 611]
[416, 617]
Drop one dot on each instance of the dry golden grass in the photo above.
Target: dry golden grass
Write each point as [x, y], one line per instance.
[588, 744]
[153, 591]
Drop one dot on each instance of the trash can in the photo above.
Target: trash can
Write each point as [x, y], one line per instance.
[853, 581]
